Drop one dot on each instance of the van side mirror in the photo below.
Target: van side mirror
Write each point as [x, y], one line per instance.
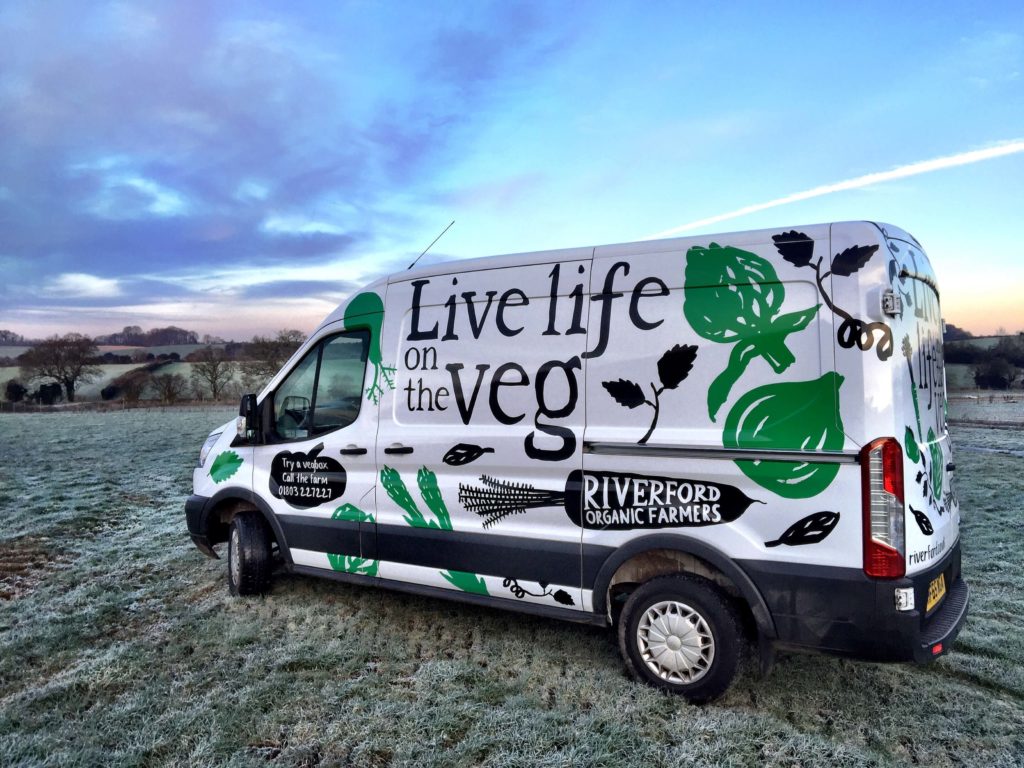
[248, 424]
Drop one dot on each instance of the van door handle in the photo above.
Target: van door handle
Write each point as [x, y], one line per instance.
[950, 467]
[398, 448]
[352, 451]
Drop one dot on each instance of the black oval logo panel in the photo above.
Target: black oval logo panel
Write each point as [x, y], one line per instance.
[306, 480]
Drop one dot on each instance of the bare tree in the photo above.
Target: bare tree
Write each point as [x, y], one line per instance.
[64, 358]
[211, 370]
[266, 355]
[170, 386]
[132, 387]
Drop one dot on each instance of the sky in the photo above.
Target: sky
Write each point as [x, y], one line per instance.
[239, 168]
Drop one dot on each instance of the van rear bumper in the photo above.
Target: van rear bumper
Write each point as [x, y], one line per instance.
[841, 611]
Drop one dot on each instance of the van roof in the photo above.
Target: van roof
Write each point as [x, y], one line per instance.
[816, 231]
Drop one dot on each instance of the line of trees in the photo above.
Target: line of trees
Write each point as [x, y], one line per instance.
[62, 364]
[996, 367]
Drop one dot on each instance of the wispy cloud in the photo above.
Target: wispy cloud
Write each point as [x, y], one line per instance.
[904, 171]
[80, 285]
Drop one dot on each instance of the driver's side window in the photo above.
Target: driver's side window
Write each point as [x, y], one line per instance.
[323, 392]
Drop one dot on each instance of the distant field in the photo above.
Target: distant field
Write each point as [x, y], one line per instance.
[119, 644]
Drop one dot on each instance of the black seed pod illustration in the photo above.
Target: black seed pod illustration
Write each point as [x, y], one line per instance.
[923, 522]
[464, 453]
[809, 530]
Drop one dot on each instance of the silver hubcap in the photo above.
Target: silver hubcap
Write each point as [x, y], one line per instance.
[233, 556]
[675, 642]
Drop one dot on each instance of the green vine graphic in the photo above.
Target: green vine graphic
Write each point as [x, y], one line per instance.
[225, 466]
[367, 309]
[353, 563]
[791, 416]
[426, 480]
[734, 297]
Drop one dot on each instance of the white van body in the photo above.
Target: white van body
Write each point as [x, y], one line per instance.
[666, 435]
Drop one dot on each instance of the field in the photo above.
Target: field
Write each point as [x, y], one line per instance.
[119, 644]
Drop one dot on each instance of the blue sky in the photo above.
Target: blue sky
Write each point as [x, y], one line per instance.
[236, 168]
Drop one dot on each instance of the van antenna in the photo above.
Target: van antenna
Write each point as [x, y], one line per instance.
[431, 245]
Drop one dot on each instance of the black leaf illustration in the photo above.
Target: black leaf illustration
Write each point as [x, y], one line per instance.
[923, 522]
[809, 530]
[852, 259]
[625, 392]
[464, 453]
[563, 597]
[795, 247]
[675, 365]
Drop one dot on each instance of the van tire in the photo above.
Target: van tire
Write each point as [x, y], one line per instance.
[707, 624]
[249, 558]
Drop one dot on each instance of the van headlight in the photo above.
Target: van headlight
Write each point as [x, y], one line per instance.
[207, 447]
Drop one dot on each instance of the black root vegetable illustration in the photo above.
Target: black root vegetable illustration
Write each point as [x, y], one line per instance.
[673, 367]
[923, 522]
[798, 249]
[616, 501]
[808, 530]
[464, 453]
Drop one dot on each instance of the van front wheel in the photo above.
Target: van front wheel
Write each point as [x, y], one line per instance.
[248, 555]
[680, 633]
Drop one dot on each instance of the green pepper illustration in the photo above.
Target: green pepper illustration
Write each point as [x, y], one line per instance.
[734, 296]
[791, 416]
[366, 309]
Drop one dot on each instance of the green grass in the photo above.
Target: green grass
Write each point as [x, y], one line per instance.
[119, 644]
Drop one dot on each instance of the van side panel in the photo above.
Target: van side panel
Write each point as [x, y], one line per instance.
[719, 355]
[482, 431]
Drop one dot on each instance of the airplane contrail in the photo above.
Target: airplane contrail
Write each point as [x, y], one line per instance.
[913, 169]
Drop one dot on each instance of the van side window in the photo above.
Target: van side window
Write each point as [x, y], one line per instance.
[323, 392]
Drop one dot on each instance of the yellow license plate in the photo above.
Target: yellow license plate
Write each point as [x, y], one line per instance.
[936, 591]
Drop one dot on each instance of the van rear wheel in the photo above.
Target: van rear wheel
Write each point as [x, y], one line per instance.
[681, 634]
[249, 557]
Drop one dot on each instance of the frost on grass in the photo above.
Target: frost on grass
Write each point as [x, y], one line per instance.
[131, 652]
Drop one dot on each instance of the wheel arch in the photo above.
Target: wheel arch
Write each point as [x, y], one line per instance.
[228, 502]
[663, 554]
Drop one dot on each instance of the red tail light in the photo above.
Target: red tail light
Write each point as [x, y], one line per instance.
[882, 489]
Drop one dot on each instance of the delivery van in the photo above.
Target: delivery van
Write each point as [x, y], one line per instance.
[695, 440]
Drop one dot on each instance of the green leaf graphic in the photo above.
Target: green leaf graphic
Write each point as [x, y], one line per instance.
[224, 466]
[791, 416]
[467, 582]
[354, 564]
[910, 446]
[937, 468]
[351, 513]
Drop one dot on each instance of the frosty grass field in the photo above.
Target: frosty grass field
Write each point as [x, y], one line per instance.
[120, 645]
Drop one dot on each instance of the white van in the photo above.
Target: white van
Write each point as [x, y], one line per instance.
[679, 438]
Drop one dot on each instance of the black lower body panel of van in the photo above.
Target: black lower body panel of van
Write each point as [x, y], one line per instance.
[844, 612]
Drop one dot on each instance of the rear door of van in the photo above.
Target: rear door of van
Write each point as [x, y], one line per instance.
[483, 429]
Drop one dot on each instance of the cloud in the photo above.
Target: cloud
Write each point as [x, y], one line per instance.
[75, 285]
[902, 172]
